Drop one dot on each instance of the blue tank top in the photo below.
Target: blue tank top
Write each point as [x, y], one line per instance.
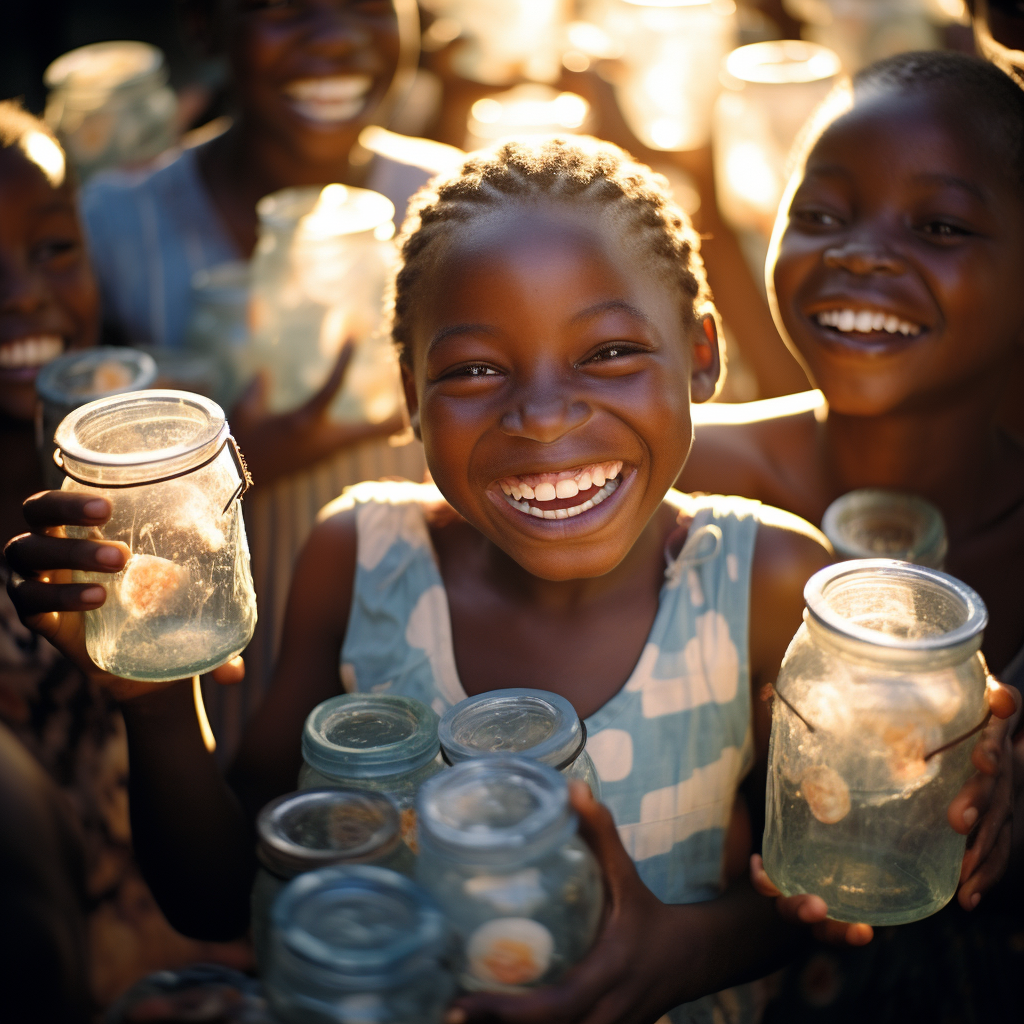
[671, 747]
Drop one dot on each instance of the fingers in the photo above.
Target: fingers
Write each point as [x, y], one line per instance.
[970, 803]
[1003, 700]
[65, 508]
[230, 672]
[598, 831]
[841, 933]
[31, 553]
[33, 598]
[759, 877]
[993, 864]
[319, 402]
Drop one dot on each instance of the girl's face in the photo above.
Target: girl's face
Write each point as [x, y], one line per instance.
[312, 72]
[898, 264]
[551, 373]
[48, 297]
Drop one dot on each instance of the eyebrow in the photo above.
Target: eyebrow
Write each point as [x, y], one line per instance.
[931, 177]
[447, 332]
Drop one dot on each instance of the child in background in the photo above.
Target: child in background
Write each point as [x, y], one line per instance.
[895, 274]
[49, 305]
[553, 321]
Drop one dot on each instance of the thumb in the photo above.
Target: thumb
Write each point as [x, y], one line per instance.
[598, 831]
[252, 404]
[322, 399]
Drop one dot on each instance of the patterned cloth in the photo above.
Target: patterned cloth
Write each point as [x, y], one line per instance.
[671, 747]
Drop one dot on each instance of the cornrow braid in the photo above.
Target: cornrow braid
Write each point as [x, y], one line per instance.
[577, 170]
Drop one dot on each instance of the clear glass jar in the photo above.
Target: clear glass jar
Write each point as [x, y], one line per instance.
[357, 945]
[321, 264]
[219, 326]
[873, 522]
[110, 104]
[500, 854]
[878, 697]
[372, 741]
[184, 602]
[318, 828]
[537, 724]
[78, 377]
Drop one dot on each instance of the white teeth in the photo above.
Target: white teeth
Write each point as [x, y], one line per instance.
[527, 490]
[517, 492]
[597, 476]
[334, 89]
[30, 352]
[564, 513]
[534, 511]
[505, 487]
[863, 321]
[545, 492]
[585, 482]
[566, 489]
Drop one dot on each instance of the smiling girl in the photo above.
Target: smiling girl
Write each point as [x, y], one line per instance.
[553, 321]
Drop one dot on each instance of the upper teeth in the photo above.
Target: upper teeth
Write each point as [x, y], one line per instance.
[29, 352]
[337, 98]
[567, 484]
[564, 513]
[864, 320]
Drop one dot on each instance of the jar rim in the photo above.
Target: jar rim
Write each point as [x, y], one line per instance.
[83, 67]
[286, 208]
[49, 379]
[968, 632]
[209, 436]
[562, 745]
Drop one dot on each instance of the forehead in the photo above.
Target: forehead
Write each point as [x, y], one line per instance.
[891, 133]
[24, 187]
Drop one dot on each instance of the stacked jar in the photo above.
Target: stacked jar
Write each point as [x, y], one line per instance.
[377, 742]
[316, 828]
[500, 855]
[537, 724]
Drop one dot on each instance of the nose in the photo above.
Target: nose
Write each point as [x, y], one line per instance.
[860, 257]
[21, 290]
[333, 31]
[545, 413]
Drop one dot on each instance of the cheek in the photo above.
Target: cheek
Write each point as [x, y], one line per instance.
[78, 295]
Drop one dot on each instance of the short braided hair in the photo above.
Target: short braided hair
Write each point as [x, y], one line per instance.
[577, 170]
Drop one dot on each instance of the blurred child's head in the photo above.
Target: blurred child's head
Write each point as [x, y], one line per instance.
[898, 256]
[48, 297]
[553, 316]
[310, 74]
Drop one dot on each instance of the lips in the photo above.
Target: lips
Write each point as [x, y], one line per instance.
[565, 494]
[330, 99]
[23, 358]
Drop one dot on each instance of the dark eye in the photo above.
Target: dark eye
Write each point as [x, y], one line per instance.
[614, 350]
[816, 218]
[944, 229]
[55, 250]
[474, 370]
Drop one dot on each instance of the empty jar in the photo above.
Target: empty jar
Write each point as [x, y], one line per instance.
[319, 271]
[877, 704]
[78, 377]
[500, 854]
[874, 523]
[372, 741]
[318, 828]
[184, 603]
[357, 945]
[536, 724]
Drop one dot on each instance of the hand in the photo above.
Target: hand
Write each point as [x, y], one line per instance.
[276, 445]
[46, 600]
[622, 980]
[805, 908]
[984, 805]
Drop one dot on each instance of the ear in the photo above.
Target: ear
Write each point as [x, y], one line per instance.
[706, 365]
[412, 402]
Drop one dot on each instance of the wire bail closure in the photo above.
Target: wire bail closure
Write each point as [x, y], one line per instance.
[244, 476]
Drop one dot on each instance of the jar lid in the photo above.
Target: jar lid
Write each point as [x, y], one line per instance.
[536, 724]
[495, 809]
[139, 436]
[369, 735]
[353, 922]
[896, 606]
[83, 375]
[99, 67]
[318, 827]
[327, 211]
[874, 522]
[781, 62]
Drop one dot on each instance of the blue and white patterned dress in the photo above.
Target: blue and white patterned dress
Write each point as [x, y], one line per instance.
[671, 747]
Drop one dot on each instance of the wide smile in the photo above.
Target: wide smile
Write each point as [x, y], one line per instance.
[22, 359]
[329, 100]
[865, 326]
[563, 495]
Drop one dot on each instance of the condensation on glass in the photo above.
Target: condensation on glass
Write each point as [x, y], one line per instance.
[537, 724]
[318, 828]
[500, 854]
[357, 944]
[184, 602]
[876, 709]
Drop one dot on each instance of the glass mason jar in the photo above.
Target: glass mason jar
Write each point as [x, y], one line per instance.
[82, 376]
[500, 854]
[536, 724]
[219, 326]
[184, 603]
[110, 104]
[317, 828]
[357, 945]
[321, 264]
[873, 522]
[372, 741]
[878, 697]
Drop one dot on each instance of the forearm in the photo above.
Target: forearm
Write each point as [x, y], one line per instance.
[191, 838]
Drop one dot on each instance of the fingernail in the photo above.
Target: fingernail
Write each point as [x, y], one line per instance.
[970, 816]
[92, 595]
[109, 555]
[97, 508]
[975, 900]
